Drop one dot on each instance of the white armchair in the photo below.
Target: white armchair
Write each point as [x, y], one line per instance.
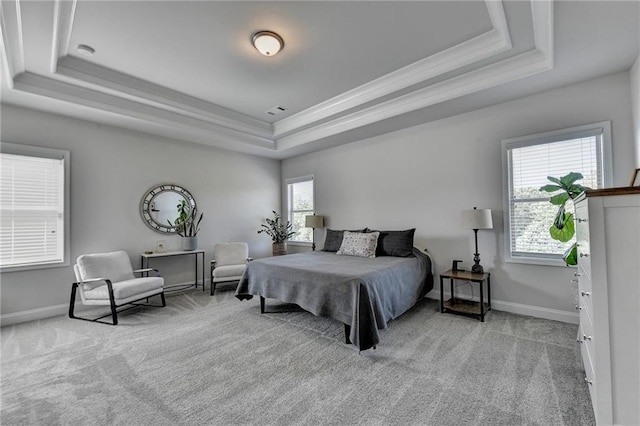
[229, 262]
[108, 279]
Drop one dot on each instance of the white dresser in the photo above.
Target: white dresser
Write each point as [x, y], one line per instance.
[608, 233]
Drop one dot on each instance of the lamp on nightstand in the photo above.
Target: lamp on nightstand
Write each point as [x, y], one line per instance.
[313, 222]
[476, 219]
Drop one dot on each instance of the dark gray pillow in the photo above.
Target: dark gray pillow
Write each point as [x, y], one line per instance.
[396, 243]
[333, 239]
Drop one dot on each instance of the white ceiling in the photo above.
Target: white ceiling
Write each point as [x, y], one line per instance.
[186, 69]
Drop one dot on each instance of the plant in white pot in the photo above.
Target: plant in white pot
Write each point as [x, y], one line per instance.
[187, 226]
[279, 232]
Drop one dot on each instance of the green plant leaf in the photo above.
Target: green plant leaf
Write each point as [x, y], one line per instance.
[560, 218]
[550, 188]
[567, 231]
[576, 190]
[555, 180]
[560, 199]
[279, 230]
[570, 256]
[570, 178]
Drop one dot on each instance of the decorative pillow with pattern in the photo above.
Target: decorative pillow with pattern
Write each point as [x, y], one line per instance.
[359, 244]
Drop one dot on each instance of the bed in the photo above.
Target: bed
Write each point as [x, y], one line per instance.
[363, 293]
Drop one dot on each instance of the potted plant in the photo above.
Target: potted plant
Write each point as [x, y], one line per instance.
[279, 232]
[563, 227]
[187, 226]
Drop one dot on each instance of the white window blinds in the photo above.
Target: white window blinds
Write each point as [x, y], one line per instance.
[301, 203]
[32, 208]
[529, 162]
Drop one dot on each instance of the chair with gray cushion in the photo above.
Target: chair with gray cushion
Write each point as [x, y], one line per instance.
[229, 262]
[107, 279]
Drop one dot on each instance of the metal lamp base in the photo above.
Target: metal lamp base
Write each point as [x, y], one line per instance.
[477, 267]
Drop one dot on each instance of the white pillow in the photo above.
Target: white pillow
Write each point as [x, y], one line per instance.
[359, 244]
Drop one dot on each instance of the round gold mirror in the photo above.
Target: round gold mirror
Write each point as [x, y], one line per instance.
[158, 206]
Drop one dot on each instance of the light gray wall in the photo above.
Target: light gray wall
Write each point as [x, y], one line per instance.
[635, 107]
[424, 176]
[111, 169]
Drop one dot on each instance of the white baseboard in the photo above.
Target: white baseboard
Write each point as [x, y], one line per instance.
[499, 305]
[53, 311]
[33, 314]
[517, 308]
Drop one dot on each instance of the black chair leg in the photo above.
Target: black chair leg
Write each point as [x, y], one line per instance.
[113, 306]
[114, 314]
[112, 300]
[212, 287]
[72, 302]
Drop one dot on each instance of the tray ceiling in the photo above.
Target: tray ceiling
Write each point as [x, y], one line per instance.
[186, 69]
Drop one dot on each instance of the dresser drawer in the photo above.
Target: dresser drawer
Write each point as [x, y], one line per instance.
[586, 333]
[589, 377]
[582, 223]
[582, 237]
[585, 294]
[584, 259]
[583, 278]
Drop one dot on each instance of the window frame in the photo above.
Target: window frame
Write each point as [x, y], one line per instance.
[42, 152]
[290, 212]
[603, 128]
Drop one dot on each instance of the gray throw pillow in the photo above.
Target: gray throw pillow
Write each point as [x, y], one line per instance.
[333, 239]
[396, 243]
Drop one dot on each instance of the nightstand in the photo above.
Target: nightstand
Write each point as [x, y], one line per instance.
[466, 307]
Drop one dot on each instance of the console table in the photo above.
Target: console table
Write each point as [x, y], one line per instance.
[144, 263]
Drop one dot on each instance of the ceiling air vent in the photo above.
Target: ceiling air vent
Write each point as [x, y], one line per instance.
[276, 110]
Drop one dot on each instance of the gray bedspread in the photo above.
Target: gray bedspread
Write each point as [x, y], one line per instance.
[363, 293]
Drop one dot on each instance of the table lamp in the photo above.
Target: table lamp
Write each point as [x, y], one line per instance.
[476, 219]
[313, 222]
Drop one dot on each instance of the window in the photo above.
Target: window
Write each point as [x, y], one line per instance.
[34, 207]
[527, 161]
[300, 194]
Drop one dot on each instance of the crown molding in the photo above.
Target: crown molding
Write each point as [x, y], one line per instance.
[481, 47]
[161, 110]
[538, 60]
[145, 92]
[542, 17]
[63, 91]
[499, 21]
[11, 40]
[64, 13]
[62, 63]
[502, 72]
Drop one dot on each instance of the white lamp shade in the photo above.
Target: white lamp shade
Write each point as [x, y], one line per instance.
[476, 219]
[314, 221]
[267, 43]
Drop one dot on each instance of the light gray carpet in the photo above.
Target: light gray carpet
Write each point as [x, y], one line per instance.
[217, 361]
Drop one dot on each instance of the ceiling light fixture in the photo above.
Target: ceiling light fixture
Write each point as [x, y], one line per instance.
[267, 43]
[85, 49]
